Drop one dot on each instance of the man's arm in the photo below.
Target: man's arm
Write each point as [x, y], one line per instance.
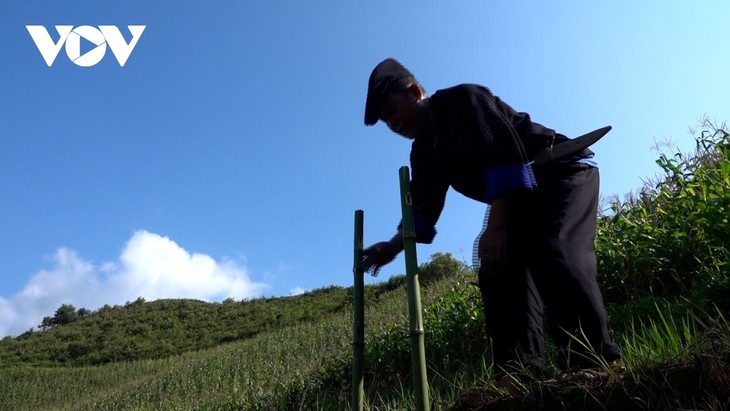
[428, 193]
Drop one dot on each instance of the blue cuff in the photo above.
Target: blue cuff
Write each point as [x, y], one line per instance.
[509, 177]
[425, 231]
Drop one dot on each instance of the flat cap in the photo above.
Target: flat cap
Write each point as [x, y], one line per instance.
[388, 72]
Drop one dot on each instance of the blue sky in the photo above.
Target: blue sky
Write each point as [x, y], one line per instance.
[227, 157]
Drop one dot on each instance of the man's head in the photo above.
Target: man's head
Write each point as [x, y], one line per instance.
[396, 97]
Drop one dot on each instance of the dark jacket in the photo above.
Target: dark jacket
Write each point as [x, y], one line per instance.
[482, 150]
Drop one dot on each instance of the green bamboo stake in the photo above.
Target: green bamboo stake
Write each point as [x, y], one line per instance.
[418, 351]
[358, 339]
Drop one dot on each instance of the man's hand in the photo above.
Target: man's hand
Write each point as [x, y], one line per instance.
[380, 254]
[493, 243]
[493, 246]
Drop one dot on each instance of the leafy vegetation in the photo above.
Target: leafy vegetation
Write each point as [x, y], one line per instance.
[149, 330]
[663, 257]
[671, 241]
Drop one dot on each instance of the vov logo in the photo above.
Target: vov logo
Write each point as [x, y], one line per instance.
[71, 37]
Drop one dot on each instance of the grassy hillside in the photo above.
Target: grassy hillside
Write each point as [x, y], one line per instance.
[267, 371]
[149, 330]
[664, 262]
[307, 366]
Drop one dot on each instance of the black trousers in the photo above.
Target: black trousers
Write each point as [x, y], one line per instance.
[548, 284]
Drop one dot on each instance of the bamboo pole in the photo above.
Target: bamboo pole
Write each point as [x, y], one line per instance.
[418, 351]
[358, 339]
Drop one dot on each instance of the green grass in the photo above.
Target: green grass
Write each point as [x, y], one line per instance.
[242, 375]
[307, 367]
[303, 364]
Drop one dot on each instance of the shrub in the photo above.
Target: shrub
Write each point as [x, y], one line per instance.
[672, 239]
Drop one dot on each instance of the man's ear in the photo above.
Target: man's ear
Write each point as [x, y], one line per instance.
[417, 90]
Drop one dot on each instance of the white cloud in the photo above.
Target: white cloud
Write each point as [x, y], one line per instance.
[150, 266]
[297, 291]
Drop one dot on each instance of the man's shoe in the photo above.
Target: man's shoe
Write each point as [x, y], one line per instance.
[593, 376]
[510, 385]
